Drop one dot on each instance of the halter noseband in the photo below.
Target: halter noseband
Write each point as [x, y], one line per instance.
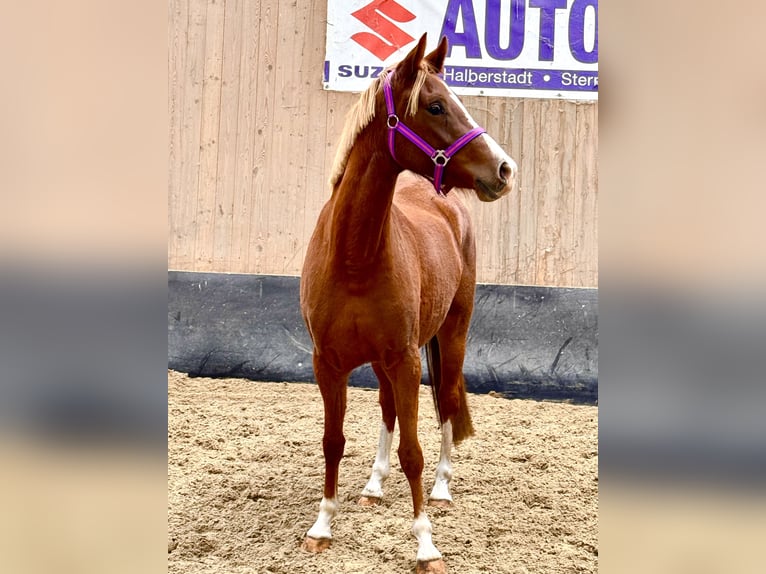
[438, 156]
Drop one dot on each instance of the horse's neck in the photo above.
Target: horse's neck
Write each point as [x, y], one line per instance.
[362, 210]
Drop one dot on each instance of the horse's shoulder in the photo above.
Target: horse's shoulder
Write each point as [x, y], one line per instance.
[414, 191]
[429, 213]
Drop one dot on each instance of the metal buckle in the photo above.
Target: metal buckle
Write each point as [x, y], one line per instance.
[395, 118]
[439, 158]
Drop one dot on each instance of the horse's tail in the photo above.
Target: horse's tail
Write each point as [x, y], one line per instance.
[434, 361]
[457, 409]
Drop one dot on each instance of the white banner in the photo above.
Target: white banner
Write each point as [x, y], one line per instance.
[518, 48]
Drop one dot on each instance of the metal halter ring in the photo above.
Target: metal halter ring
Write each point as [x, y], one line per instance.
[440, 158]
[395, 123]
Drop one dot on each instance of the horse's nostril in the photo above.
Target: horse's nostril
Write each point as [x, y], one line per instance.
[506, 171]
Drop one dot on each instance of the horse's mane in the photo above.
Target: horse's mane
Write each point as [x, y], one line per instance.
[363, 112]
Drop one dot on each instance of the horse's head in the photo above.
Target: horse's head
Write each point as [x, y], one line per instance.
[431, 133]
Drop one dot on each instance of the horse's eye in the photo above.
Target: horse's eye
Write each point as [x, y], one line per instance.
[436, 109]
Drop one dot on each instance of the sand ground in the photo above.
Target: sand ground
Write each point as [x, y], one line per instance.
[245, 473]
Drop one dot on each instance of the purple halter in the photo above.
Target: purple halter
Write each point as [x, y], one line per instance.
[438, 156]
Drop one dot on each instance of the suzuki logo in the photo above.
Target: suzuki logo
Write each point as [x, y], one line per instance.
[377, 16]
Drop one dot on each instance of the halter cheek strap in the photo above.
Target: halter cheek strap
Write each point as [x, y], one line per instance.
[438, 156]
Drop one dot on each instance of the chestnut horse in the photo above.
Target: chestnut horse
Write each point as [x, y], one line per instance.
[391, 268]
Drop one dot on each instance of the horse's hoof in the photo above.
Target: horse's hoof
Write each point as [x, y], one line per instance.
[440, 503]
[316, 545]
[432, 567]
[369, 501]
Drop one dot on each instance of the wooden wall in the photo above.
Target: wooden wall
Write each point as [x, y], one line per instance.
[253, 137]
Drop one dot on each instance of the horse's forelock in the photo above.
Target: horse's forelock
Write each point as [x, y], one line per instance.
[417, 86]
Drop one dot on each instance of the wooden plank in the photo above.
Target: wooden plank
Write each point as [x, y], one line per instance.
[513, 146]
[226, 183]
[548, 169]
[591, 221]
[264, 158]
[285, 210]
[191, 123]
[246, 136]
[211, 110]
[563, 270]
[585, 207]
[279, 209]
[178, 18]
[527, 234]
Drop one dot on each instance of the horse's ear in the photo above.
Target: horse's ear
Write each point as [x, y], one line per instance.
[408, 68]
[436, 58]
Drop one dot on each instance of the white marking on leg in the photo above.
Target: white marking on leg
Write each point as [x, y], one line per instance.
[444, 468]
[381, 468]
[421, 528]
[328, 508]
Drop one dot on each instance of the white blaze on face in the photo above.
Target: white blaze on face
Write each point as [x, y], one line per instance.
[497, 152]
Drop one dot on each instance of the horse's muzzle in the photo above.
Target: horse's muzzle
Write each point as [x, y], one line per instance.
[498, 186]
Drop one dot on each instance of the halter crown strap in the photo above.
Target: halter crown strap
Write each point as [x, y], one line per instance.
[438, 156]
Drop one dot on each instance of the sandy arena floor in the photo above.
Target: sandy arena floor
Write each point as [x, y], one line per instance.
[245, 472]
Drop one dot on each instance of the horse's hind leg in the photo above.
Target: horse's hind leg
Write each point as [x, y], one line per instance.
[381, 468]
[453, 405]
[332, 385]
[440, 495]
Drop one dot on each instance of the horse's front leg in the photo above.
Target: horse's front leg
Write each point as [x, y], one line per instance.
[332, 385]
[405, 378]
